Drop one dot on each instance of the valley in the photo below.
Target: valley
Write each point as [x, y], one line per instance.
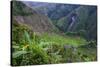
[52, 33]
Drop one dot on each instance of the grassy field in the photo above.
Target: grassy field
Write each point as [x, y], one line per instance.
[63, 40]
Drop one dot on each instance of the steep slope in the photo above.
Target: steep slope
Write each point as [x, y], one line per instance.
[53, 10]
[29, 48]
[69, 18]
[83, 18]
[24, 14]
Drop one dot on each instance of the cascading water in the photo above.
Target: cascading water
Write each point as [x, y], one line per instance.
[71, 23]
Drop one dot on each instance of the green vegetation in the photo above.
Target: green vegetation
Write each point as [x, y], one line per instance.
[54, 38]
[86, 20]
[63, 40]
[18, 9]
[28, 48]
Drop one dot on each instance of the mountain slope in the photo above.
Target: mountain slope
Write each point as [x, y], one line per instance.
[30, 48]
[53, 10]
[24, 14]
[69, 18]
[85, 18]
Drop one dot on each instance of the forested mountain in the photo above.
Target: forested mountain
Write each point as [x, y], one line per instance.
[62, 15]
[51, 33]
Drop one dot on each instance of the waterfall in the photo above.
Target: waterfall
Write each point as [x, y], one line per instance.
[72, 23]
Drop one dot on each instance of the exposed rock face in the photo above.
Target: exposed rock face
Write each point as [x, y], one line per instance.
[38, 22]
